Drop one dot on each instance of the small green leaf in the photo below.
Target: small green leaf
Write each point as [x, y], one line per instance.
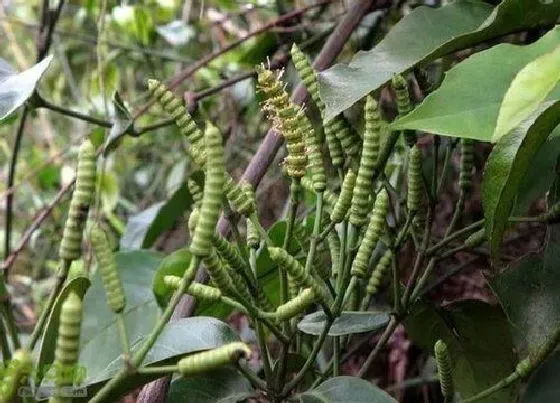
[468, 101]
[479, 341]
[16, 88]
[344, 389]
[346, 323]
[143, 25]
[79, 285]
[506, 168]
[528, 89]
[172, 265]
[225, 385]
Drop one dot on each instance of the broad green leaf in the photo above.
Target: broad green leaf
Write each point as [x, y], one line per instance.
[477, 335]
[468, 102]
[544, 384]
[506, 167]
[176, 33]
[122, 124]
[143, 229]
[78, 285]
[343, 389]
[99, 345]
[424, 35]
[180, 337]
[529, 88]
[16, 88]
[173, 265]
[346, 323]
[225, 385]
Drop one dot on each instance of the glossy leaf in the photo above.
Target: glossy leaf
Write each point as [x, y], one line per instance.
[346, 323]
[477, 335]
[468, 102]
[544, 384]
[99, 344]
[427, 34]
[344, 389]
[16, 88]
[173, 265]
[506, 168]
[143, 228]
[78, 285]
[225, 385]
[528, 90]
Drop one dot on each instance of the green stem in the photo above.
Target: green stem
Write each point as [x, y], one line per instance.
[43, 103]
[61, 275]
[163, 370]
[4, 345]
[459, 206]
[253, 378]
[123, 333]
[494, 388]
[262, 232]
[316, 233]
[391, 326]
[457, 234]
[396, 284]
[446, 158]
[187, 279]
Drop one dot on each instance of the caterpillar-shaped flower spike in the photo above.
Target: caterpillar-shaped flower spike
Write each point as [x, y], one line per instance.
[296, 305]
[13, 376]
[195, 191]
[466, 165]
[213, 359]
[238, 198]
[379, 272]
[219, 274]
[314, 156]
[415, 184]
[334, 146]
[183, 120]
[197, 290]
[253, 236]
[297, 271]
[372, 234]
[476, 239]
[370, 150]
[201, 244]
[108, 270]
[348, 138]
[308, 76]
[345, 198]
[334, 249]
[68, 340]
[444, 370]
[82, 197]
[404, 105]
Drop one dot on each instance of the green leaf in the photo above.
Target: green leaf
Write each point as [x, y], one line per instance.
[346, 323]
[528, 90]
[109, 190]
[16, 88]
[343, 389]
[477, 335]
[544, 385]
[122, 124]
[99, 338]
[143, 25]
[424, 35]
[468, 102]
[506, 168]
[225, 385]
[172, 265]
[78, 285]
[143, 228]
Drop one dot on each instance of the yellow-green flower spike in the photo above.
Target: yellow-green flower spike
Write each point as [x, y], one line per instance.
[379, 272]
[308, 76]
[316, 164]
[71, 244]
[197, 290]
[19, 367]
[404, 105]
[415, 183]
[373, 233]
[370, 150]
[467, 163]
[444, 370]
[213, 359]
[107, 267]
[296, 305]
[201, 244]
[343, 202]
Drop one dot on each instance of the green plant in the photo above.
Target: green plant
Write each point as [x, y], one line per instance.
[362, 242]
